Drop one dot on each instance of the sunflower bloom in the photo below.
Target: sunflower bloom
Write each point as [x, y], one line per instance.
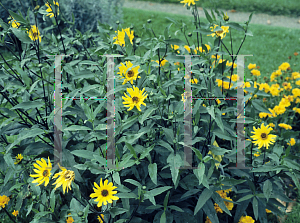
[51, 14]
[129, 73]
[246, 219]
[14, 23]
[65, 179]
[189, 2]
[43, 172]
[19, 157]
[136, 98]
[70, 219]
[284, 66]
[4, 200]
[292, 142]
[104, 193]
[262, 136]
[120, 38]
[34, 33]
[286, 126]
[219, 33]
[15, 213]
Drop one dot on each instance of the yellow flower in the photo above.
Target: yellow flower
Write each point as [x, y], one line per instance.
[127, 73]
[284, 102]
[228, 204]
[272, 125]
[292, 142]
[224, 83]
[217, 208]
[43, 172]
[268, 211]
[229, 64]
[279, 109]
[262, 136]
[207, 220]
[296, 92]
[218, 101]
[219, 33]
[256, 154]
[246, 219]
[189, 49]
[99, 219]
[194, 81]
[162, 63]
[203, 50]
[298, 82]
[34, 33]
[255, 72]
[251, 66]
[213, 56]
[70, 219]
[51, 14]
[264, 114]
[234, 77]
[283, 125]
[175, 47]
[136, 98]
[104, 193]
[297, 109]
[284, 66]
[15, 213]
[120, 38]
[65, 179]
[14, 23]
[223, 113]
[288, 87]
[19, 157]
[203, 105]
[297, 100]
[295, 75]
[273, 112]
[189, 2]
[4, 200]
[274, 91]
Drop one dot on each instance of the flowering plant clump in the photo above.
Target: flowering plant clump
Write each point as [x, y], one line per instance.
[158, 142]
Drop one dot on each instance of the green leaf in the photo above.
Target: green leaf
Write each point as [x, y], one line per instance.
[134, 182]
[166, 33]
[163, 218]
[175, 42]
[211, 111]
[255, 208]
[240, 209]
[145, 115]
[203, 31]
[175, 162]
[29, 104]
[219, 200]
[158, 191]
[84, 154]
[114, 211]
[250, 17]
[166, 200]
[174, 21]
[204, 196]
[267, 189]
[22, 36]
[169, 135]
[76, 128]
[146, 152]
[235, 25]
[173, 207]
[116, 177]
[152, 169]
[127, 195]
[210, 211]
[131, 149]
[259, 106]
[208, 17]
[17, 17]
[197, 152]
[166, 145]
[200, 172]
[52, 199]
[220, 123]
[88, 62]
[245, 197]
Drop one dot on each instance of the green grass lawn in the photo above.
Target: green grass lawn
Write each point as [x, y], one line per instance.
[271, 7]
[270, 46]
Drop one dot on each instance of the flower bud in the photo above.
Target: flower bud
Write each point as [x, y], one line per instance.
[131, 27]
[169, 36]
[149, 20]
[110, 28]
[144, 187]
[118, 22]
[190, 34]
[226, 17]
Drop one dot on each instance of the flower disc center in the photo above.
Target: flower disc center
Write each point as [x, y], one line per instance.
[263, 135]
[104, 193]
[135, 99]
[130, 73]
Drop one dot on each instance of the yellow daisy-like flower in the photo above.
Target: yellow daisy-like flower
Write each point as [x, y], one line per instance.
[297, 100]
[65, 178]
[255, 72]
[284, 66]
[99, 219]
[70, 219]
[15, 213]
[286, 126]
[284, 102]
[14, 23]
[296, 92]
[295, 75]
[175, 47]
[127, 73]
[256, 154]
[51, 14]
[246, 219]
[189, 2]
[297, 109]
[272, 125]
[218, 101]
[298, 82]
[4, 200]
[251, 66]
[136, 98]
[19, 157]
[219, 33]
[207, 220]
[268, 211]
[104, 193]
[43, 172]
[264, 114]
[120, 38]
[217, 208]
[187, 95]
[292, 142]
[203, 50]
[194, 81]
[279, 109]
[228, 204]
[224, 83]
[274, 91]
[229, 64]
[162, 63]
[288, 87]
[34, 33]
[189, 49]
[262, 136]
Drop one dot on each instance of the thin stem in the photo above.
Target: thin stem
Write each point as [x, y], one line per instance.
[9, 215]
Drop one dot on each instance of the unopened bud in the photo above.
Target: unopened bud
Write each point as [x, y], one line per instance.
[131, 27]
[118, 22]
[190, 34]
[149, 20]
[226, 17]
[110, 28]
